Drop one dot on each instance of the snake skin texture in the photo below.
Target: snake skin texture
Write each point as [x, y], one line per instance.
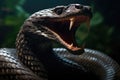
[12, 69]
[35, 59]
[104, 66]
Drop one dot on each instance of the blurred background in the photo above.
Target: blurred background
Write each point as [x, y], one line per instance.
[104, 33]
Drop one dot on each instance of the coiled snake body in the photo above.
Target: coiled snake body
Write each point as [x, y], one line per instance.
[35, 59]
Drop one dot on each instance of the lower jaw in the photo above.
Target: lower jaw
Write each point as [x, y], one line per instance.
[72, 48]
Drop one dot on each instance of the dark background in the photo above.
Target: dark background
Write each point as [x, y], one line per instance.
[105, 25]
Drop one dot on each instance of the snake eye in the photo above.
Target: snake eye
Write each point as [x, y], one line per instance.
[59, 10]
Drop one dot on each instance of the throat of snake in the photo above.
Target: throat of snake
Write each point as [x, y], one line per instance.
[28, 48]
[65, 29]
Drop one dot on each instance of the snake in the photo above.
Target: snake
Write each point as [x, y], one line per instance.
[35, 58]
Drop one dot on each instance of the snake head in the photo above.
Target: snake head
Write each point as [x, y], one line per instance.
[61, 22]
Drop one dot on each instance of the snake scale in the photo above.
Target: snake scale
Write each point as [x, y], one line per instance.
[35, 59]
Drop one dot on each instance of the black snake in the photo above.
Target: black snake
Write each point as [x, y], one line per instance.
[35, 59]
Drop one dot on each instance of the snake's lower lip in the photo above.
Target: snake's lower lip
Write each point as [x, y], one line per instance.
[73, 48]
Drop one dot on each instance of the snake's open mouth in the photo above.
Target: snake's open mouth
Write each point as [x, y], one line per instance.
[62, 22]
[64, 29]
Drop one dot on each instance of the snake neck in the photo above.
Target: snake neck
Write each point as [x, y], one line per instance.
[30, 43]
[30, 50]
